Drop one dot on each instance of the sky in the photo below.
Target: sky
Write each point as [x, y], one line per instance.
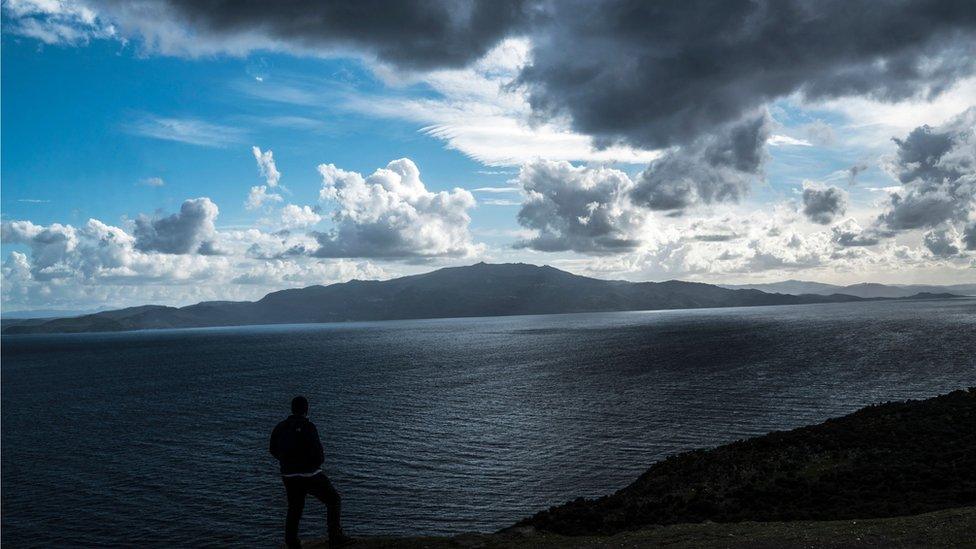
[173, 152]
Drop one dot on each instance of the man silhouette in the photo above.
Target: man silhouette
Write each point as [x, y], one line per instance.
[295, 444]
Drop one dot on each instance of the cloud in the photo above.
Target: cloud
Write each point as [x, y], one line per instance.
[937, 170]
[657, 75]
[16, 268]
[414, 34]
[266, 166]
[474, 110]
[969, 236]
[871, 121]
[391, 214]
[95, 251]
[713, 168]
[942, 242]
[55, 22]
[185, 232]
[98, 265]
[259, 196]
[152, 182]
[497, 190]
[582, 209]
[714, 237]
[47, 244]
[768, 244]
[622, 71]
[187, 130]
[892, 189]
[820, 133]
[854, 171]
[850, 234]
[823, 204]
[281, 272]
[781, 140]
[296, 217]
[499, 202]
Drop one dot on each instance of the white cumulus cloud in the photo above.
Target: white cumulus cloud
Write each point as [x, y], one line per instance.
[297, 217]
[392, 214]
[582, 209]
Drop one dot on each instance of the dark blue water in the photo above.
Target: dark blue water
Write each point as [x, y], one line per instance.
[435, 426]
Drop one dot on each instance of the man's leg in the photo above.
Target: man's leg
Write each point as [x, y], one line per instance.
[320, 487]
[295, 490]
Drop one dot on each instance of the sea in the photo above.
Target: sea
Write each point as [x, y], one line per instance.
[160, 438]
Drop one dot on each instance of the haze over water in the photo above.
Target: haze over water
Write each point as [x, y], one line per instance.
[434, 426]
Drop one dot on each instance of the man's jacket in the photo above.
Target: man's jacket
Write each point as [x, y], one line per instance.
[295, 443]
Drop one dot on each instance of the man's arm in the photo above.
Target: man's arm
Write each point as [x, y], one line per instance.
[316, 444]
[273, 446]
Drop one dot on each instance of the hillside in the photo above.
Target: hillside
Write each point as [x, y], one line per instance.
[476, 290]
[886, 460]
[890, 475]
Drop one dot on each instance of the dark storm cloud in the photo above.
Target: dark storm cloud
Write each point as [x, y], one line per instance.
[715, 168]
[823, 204]
[850, 234]
[188, 231]
[652, 74]
[969, 236]
[416, 34]
[937, 169]
[655, 74]
[942, 242]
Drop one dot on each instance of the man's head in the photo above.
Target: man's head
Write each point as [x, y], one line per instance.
[299, 406]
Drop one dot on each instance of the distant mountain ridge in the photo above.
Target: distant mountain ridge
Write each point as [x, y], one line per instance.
[476, 290]
[45, 313]
[867, 290]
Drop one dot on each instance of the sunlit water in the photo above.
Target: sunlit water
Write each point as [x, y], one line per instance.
[434, 426]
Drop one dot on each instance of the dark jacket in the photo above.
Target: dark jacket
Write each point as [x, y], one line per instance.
[296, 445]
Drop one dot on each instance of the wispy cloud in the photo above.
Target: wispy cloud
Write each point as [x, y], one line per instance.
[187, 130]
[472, 110]
[497, 190]
[293, 122]
[497, 172]
[780, 140]
[500, 202]
[152, 182]
[890, 190]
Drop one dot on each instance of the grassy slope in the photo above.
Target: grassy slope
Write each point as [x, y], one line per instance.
[949, 528]
[886, 460]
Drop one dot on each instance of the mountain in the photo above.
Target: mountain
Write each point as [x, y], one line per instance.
[865, 290]
[476, 290]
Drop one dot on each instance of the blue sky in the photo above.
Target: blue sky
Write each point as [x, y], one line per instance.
[101, 123]
[74, 115]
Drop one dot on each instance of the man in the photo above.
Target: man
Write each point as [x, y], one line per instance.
[295, 444]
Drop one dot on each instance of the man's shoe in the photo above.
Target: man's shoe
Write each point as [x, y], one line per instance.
[340, 541]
